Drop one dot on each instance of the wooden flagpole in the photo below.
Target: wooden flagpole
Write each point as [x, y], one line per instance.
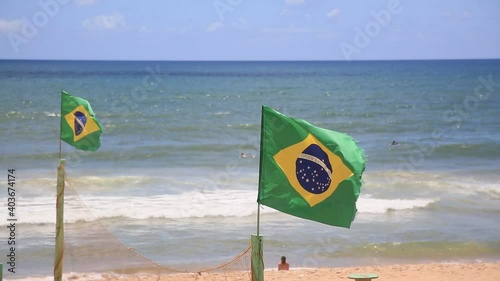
[59, 248]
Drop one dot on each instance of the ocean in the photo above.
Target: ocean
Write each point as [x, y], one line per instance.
[168, 181]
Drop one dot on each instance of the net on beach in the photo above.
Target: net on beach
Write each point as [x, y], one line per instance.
[93, 252]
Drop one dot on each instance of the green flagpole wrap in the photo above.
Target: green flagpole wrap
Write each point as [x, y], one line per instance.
[257, 261]
[58, 257]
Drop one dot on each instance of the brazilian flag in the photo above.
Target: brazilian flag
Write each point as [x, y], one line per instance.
[307, 171]
[79, 127]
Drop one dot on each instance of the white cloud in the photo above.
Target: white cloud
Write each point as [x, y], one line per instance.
[104, 22]
[239, 23]
[285, 12]
[242, 21]
[335, 13]
[328, 34]
[180, 31]
[285, 30]
[85, 2]
[214, 26]
[10, 25]
[294, 2]
[145, 29]
[185, 29]
[466, 15]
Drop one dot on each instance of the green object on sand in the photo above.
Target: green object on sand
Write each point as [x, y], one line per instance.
[363, 277]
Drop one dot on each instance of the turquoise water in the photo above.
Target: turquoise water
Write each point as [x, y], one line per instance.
[168, 177]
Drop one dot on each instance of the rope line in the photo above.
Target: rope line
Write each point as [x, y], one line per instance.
[224, 264]
[132, 250]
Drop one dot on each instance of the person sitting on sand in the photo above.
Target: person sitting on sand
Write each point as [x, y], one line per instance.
[283, 265]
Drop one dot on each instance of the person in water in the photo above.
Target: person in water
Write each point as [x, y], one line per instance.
[283, 265]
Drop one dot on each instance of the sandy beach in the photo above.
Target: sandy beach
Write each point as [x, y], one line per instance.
[414, 272]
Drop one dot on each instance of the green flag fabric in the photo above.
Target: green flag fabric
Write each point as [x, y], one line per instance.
[307, 171]
[79, 127]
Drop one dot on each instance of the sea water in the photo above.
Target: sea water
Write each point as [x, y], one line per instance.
[169, 182]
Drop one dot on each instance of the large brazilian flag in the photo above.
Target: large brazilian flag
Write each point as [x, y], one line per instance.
[307, 171]
[79, 126]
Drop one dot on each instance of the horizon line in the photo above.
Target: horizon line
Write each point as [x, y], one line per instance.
[243, 60]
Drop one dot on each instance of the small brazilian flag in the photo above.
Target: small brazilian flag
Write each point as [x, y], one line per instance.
[79, 127]
[307, 171]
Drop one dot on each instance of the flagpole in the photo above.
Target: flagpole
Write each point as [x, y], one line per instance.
[257, 262]
[258, 218]
[59, 247]
[60, 149]
[60, 127]
[261, 157]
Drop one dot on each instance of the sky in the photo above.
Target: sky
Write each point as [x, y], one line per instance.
[249, 29]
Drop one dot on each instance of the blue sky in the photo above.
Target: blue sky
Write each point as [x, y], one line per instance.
[249, 29]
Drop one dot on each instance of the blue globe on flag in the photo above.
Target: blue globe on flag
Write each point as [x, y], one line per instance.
[313, 170]
[80, 121]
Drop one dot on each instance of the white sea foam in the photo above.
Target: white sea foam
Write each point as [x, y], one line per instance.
[221, 113]
[146, 196]
[378, 206]
[217, 203]
[51, 114]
